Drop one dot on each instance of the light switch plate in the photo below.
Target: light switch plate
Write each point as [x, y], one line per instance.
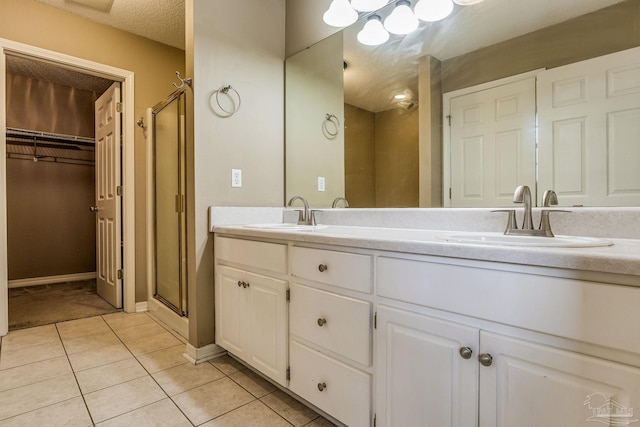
[321, 186]
[236, 177]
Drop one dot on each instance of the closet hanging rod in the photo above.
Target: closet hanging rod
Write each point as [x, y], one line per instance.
[49, 137]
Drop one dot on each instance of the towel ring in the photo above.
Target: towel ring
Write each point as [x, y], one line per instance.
[331, 126]
[233, 95]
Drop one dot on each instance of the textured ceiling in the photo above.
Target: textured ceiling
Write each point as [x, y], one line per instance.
[159, 20]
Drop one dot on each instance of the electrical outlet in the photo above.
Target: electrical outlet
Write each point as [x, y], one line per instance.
[321, 186]
[236, 177]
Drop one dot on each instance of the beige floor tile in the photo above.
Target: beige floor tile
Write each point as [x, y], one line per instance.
[163, 359]
[227, 364]
[253, 383]
[185, 377]
[30, 337]
[34, 372]
[139, 331]
[109, 375]
[39, 395]
[82, 327]
[103, 356]
[70, 413]
[122, 398]
[162, 413]
[27, 355]
[90, 342]
[289, 408]
[126, 320]
[320, 422]
[211, 400]
[152, 343]
[255, 414]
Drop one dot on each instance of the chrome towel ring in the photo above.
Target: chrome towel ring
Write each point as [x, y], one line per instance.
[331, 126]
[232, 95]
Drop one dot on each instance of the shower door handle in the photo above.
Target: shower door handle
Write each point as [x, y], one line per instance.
[179, 203]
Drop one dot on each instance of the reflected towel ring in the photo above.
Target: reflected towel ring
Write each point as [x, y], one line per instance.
[235, 99]
[331, 121]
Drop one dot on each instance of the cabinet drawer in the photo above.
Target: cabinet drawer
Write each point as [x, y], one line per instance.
[338, 323]
[338, 389]
[266, 256]
[343, 269]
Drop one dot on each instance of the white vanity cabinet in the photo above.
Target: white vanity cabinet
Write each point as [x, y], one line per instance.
[330, 330]
[512, 376]
[251, 307]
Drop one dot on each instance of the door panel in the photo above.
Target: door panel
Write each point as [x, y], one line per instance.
[108, 224]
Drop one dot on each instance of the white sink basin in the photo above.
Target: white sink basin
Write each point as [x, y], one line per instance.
[286, 226]
[499, 239]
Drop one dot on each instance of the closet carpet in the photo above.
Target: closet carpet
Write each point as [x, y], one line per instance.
[45, 304]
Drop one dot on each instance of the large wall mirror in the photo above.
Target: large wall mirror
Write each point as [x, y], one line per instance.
[396, 125]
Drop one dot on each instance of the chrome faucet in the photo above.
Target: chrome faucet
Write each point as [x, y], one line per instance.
[523, 195]
[549, 198]
[337, 200]
[304, 217]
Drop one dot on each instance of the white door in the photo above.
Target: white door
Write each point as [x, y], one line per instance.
[493, 144]
[589, 136]
[108, 224]
[530, 384]
[422, 379]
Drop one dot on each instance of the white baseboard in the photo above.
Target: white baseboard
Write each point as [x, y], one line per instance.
[48, 280]
[203, 354]
[142, 307]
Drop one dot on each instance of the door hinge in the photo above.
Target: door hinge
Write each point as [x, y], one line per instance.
[119, 107]
[288, 373]
[119, 190]
[449, 192]
[288, 294]
[449, 119]
[120, 274]
[375, 320]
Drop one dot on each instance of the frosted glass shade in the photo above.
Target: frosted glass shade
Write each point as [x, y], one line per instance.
[467, 2]
[340, 14]
[433, 10]
[402, 20]
[373, 32]
[367, 5]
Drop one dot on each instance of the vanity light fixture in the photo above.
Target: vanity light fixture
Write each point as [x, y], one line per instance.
[401, 20]
[373, 32]
[467, 2]
[340, 14]
[433, 10]
[368, 5]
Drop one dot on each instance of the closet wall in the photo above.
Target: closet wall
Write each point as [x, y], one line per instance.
[51, 231]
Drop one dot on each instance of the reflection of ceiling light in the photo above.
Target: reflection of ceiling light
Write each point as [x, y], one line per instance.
[467, 2]
[400, 96]
[367, 5]
[101, 5]
[402, 20]
[340, 14]
[433, 10]
[373, 33]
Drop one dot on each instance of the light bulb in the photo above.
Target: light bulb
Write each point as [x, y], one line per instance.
[340, 14]
[433, 10]
[402, 20]
[367, 5]
[373, 33]
[467, 2]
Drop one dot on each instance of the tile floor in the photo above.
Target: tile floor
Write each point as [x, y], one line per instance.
[128, 370]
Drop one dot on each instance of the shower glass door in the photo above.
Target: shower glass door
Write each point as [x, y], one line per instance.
[169, 198]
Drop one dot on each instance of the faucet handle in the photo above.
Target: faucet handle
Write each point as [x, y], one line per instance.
[545, 225]
[511, 220]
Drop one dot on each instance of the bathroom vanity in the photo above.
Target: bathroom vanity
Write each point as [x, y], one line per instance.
[398, 327]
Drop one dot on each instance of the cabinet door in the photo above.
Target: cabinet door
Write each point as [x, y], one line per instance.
[267, 333]
[422, 380]
[530, 384]
[231, 310]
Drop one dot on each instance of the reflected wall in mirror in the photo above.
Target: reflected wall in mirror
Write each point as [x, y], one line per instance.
[401, 164]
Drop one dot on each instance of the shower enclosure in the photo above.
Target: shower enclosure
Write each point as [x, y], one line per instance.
[169, 180]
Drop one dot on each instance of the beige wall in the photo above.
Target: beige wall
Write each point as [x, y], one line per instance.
[240, 43]
[154, 65]
[315, 89]
[304, 24]
[359, 157]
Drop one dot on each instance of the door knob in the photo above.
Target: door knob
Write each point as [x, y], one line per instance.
[466, 352]
[322, 386]
[322, 322]
[94, 208]
[323, 268]
[485, 359]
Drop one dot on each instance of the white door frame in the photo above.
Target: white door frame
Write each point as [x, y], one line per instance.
[446, 134]
[128, 215]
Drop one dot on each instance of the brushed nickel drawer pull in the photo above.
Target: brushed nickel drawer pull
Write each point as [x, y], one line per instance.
[322, 386]
[485, 359]
[240, 283]
[466, 352]
[323, 268]
[322, 322]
